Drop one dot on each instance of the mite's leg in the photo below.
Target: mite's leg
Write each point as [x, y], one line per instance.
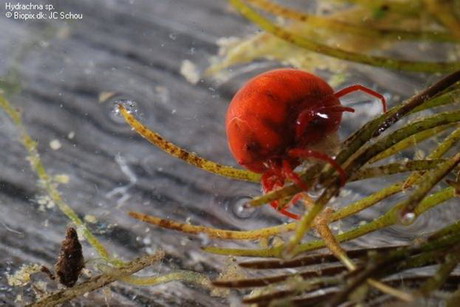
[307, 153]
[288, 172]
[272, 180]
[359, 87]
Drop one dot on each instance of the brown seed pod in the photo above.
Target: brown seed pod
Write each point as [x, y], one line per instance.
[70, 261]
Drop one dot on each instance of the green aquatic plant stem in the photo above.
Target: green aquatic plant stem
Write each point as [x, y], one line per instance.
[300, 286]
[386, 142]
[431, 178]
[388, 219]
[257, 234]
[180, 275]
[394, 262]
[191, 158]
[443, 12]
[423, 124]
[411, 141]
[452, 229]
[446, 145]
[377, 126]
[366, 202]
[367, 30]
[99, 281]
[395, 168]
[221, 234]
[370, 130]
[269, 26]
[346, 285]
[435, 282]
[411, 7]
[440, 150]
[364, 173]
[47, 184]
[391, 217]
[420, 250]
[454, 299]
[322, 227]
[449, 96]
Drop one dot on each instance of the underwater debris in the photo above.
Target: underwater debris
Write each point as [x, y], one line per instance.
[70, 262]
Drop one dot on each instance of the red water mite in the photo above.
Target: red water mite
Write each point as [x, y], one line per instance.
[275, 120]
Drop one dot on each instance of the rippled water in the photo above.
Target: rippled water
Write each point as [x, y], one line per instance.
[131, 52]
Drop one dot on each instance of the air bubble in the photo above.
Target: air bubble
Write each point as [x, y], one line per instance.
[407, 218]
[241, 208]
[287, 254]
[128, 104]
[315, 193]
[204, 238]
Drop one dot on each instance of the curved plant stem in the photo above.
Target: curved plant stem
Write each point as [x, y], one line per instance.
[410, 141]
[349, 210]
[412, 7]
[386, 142]
[370, 130]
[442, 148]
[46, 183]
[377, 126]
[367, 202]
[321, 224]
[213, 232]
[435, 282]
[260, 282]
[446, 231]
[190, 158]
[388, 219]
[426, 123]
[344, 27]
[190, 276]
[445, 97]
[308, 285]
[454, 299]
[304, 42]
[443, 11]
[410, 205]
[310, 259]
[99, 281]
[395, 168]
[445, 146]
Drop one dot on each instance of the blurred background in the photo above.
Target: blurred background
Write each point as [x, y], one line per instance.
[59, 73]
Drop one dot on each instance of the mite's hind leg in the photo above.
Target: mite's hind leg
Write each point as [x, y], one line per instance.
[307, 153]
[272, 180]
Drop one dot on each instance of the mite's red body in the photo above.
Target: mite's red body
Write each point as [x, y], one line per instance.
[262, 118]
[277, 116]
